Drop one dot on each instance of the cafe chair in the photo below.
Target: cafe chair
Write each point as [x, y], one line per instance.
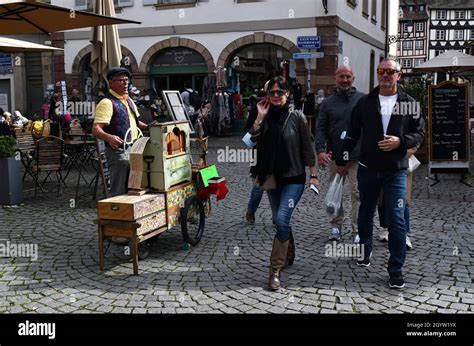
[25, 144]
[49, 153]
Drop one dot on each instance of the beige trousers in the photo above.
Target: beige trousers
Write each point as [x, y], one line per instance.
[352, 177]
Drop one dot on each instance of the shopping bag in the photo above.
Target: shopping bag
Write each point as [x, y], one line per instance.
[333, 199]
[413, 163]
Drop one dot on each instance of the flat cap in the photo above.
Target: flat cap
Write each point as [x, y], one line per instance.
[118, 70]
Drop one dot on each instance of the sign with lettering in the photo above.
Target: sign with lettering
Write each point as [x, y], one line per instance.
[449, 122]
[308, 42]
[104, 166]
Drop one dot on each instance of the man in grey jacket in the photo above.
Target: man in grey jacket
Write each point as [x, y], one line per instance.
[332, 124]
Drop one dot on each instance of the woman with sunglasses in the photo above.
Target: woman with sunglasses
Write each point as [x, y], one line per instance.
[284, 150]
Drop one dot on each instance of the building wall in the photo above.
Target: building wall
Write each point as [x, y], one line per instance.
[216, 24]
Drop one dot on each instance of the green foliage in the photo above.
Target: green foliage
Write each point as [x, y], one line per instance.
[7, 146]
[419, 91]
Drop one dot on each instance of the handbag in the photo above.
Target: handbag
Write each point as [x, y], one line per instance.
[413, 163]
[268, 184]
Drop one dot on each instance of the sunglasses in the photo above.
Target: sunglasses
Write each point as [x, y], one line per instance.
[389, 71]
[278, 92]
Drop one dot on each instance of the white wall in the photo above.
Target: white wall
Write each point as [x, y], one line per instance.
[215, 11]
[358, 57]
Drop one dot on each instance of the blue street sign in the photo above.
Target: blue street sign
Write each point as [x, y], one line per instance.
[309, 42]
[315, 55]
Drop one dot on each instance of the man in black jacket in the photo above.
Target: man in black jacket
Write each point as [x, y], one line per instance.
[388, 122]
[330, 128]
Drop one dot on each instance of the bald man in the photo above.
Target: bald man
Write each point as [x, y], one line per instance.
[330, 130]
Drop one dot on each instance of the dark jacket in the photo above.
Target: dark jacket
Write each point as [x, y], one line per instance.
[366, 121]
[333, 120]
[298, 141]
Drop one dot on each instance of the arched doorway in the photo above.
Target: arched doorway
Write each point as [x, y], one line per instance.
[171, 67]
[255, 64]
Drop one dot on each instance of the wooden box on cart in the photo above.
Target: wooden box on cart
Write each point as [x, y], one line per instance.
[136, 218]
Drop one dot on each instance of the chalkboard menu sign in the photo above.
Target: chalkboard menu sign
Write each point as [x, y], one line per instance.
[104, 166]
[449, 122]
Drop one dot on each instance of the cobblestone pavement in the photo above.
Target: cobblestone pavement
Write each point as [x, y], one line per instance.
[227, 271]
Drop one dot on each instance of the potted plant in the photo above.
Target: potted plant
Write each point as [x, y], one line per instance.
[11, 185]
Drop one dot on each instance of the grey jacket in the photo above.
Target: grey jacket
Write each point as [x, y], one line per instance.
[333, 119]
[298, 140]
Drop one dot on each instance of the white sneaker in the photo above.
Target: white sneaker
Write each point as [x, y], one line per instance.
[409, 244]
[356, 239]
[384, 235]
[335, 234]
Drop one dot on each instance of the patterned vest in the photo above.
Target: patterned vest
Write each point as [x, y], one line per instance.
[120, 122]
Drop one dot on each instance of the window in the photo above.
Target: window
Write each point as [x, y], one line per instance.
[471, 37]
[373, 15]
[472, 14]
[410, 8]
[398, 45]
[440, 34]
[422, 8]
[407, 27]
[420, 26]
[459, 14]
[419, 61]
[87, 4]
[441, 14]
[418, 44]
[352, 3]
[365, 8]
[458, 34]
[83, 4]
[383, 23]
[407, 45]
[168, 2]
[406, 63]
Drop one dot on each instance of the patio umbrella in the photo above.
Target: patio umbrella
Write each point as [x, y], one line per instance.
[452, 62]
[28, 16]
[106, 51]
[10, 45]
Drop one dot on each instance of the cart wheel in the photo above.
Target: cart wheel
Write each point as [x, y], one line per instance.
[192, 220]
[143, 250]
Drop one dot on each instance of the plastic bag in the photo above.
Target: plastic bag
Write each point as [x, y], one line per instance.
[413, 163]
[333, 200]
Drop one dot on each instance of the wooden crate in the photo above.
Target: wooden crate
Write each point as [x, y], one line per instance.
[129, 207]
[175, 199]
[147, 224]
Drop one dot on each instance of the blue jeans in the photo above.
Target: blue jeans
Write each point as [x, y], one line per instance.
[255, 198]
[383, 217]
[283, 201]
[394, 186]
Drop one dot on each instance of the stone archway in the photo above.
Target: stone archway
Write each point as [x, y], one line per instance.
[260, 38]
[176, 42]
[76, 65]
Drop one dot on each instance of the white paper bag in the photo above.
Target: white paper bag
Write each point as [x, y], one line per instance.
[413, 163]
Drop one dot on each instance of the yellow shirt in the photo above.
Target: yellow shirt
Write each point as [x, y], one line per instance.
[105, 110]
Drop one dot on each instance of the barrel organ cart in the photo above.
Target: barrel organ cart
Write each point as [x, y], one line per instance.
[165, 190]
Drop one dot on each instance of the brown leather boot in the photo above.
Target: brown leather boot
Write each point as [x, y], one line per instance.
[290, 257]
[277, 260]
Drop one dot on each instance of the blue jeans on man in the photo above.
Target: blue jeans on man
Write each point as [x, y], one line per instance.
[394, 185]
[283, 201]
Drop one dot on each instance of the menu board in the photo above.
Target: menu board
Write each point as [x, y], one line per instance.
[449, 122]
